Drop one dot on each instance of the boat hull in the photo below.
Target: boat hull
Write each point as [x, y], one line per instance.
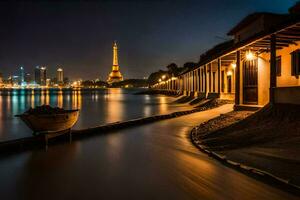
[50, 122]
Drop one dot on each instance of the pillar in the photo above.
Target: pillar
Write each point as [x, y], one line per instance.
[219, 77]
[237, 77]
[205, 79]
[273, 80]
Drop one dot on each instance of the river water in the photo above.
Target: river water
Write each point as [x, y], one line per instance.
[151, 161]
[97, 107]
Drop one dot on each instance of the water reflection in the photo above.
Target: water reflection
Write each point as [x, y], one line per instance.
[76, 99]
[96, 106]
[60, 99]
[115, 110]
[163, 104]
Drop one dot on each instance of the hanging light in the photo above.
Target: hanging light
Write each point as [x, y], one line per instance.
[229, 73]
[163, 77]
[249, 55]
[159, 80]
[233, 65]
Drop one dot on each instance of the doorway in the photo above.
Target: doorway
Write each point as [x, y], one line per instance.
[250, 77]
[229, 84]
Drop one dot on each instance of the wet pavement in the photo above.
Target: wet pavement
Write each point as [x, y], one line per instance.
[153, 161]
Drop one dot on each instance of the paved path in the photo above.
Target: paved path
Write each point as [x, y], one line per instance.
[154, 161]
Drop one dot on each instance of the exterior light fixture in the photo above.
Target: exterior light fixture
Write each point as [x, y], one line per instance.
[159, 80]
[163, 77]
[233, 65]
[229, 73]
[249, 55]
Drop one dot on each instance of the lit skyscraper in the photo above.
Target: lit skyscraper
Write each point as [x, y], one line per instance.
[43, 72]
[22, 76]
[28, 78]
[40, 75]
[60, 76]
[1, 78]
[37, 75]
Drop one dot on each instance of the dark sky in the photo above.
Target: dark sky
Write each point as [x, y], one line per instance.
[150, 34]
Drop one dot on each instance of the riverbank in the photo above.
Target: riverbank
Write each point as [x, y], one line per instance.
[158, 92]
[265, 143]
[39, 141]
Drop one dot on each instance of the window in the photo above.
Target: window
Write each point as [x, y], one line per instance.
[278, 66]
[295, 62]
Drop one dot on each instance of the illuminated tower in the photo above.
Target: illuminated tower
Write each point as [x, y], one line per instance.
[22, 75]
[115, 75]
[43, 71]
[37, 75]
[60, 76]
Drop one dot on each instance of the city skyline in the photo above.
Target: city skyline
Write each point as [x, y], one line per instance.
[176, 33]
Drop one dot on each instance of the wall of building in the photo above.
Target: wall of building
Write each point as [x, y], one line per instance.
[263, 79]
[290, 95]
[286, 79]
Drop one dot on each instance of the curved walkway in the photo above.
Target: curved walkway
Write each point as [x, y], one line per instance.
[153, 161]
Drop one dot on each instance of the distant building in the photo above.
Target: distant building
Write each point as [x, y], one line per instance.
[66, 81]
[14, 80]
[22, 76]
[37, 75]
[28, 78]
[40, 75]
[60, 76]
[48, 82]
[43, 71]
[53, 81]
[1, 78]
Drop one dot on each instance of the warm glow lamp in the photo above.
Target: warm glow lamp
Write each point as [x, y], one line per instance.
[249, 55]
[233, 65]
[229, 73]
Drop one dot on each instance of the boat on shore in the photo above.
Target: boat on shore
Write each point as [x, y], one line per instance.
[46, 119]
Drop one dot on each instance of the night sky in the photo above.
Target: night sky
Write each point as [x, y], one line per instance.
[151, 34]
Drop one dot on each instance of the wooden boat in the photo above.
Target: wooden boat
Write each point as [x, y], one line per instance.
[45, 119]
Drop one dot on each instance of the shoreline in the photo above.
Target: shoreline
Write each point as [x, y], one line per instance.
[38, 142]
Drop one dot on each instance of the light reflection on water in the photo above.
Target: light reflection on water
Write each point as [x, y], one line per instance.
[96, 107]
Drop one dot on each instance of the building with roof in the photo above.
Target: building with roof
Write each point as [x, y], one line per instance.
[260, 65]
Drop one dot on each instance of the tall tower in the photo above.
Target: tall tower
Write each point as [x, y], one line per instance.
[37, 75]
[43, 72]
[22, 75]
[60, 76]
[115, 75]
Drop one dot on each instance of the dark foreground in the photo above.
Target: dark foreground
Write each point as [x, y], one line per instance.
[154, 161]
[268, 140]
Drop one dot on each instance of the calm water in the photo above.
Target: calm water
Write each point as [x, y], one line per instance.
[96, 107]
[152, 161]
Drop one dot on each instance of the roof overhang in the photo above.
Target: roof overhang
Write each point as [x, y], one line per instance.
[286, 34]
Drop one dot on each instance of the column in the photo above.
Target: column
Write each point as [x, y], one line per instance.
[273, 80]
[219, 77]
[205, 79]
[237, 77]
